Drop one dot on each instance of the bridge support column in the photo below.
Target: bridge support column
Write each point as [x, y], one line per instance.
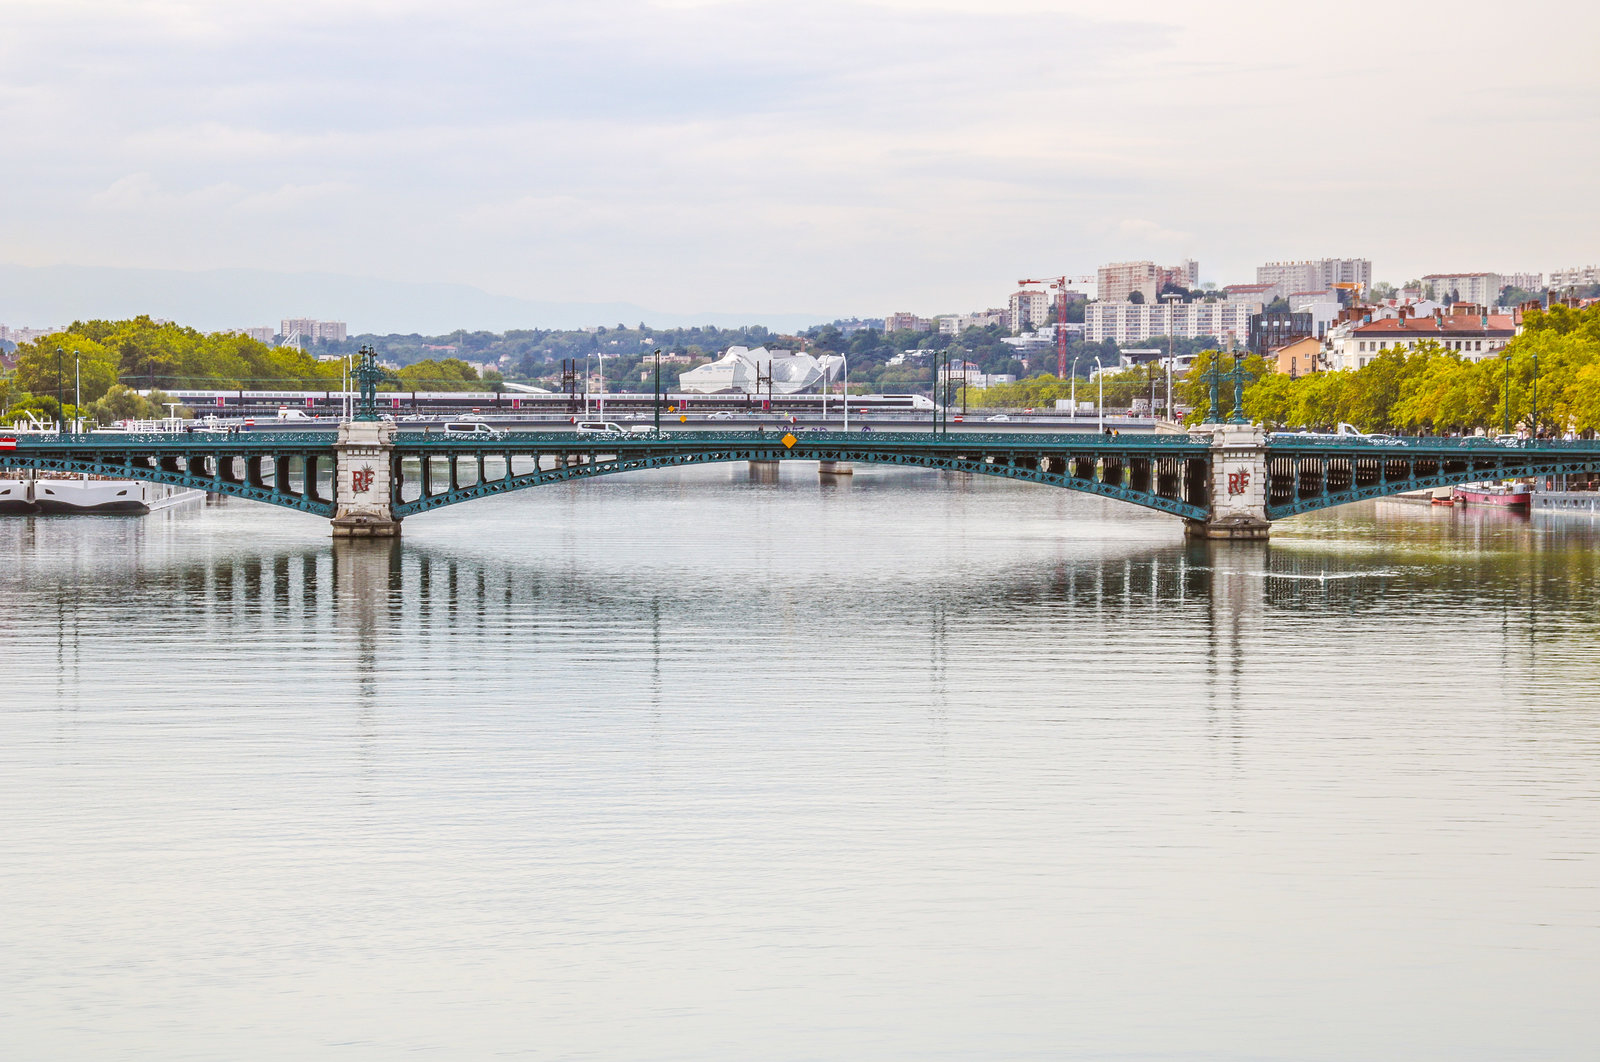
[834, 468]
[1238, 484]
[362, 487]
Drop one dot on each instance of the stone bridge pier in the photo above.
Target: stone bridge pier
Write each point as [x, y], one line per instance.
[1238, 484]
[363, 464]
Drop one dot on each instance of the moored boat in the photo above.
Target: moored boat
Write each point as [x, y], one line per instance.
[1495, 495]
[106, 497]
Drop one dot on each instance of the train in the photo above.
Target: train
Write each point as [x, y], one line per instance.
[531, 404]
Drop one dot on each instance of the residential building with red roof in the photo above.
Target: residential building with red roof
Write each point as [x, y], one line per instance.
[1473, 335]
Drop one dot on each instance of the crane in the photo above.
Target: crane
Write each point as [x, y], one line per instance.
[1059, 285]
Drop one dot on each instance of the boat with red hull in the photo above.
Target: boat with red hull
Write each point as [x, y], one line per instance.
[1495, 495]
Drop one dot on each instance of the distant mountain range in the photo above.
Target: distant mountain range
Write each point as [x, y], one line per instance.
[215, 299]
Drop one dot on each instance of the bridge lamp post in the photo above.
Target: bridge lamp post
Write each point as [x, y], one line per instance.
[845, 396]
[1535, 429]
[1505, 397]
[658, 391]
[61, 420]
[1100, 403]
[77, 393]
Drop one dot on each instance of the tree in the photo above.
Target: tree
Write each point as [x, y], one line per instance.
[41, 370]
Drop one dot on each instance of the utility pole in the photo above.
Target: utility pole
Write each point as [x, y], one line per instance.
[658, 391]
[77, 392]
[61, 419]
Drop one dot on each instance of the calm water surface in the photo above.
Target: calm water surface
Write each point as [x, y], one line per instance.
[687, 766]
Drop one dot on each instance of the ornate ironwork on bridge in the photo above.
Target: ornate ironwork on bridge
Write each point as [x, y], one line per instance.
[1225, 480]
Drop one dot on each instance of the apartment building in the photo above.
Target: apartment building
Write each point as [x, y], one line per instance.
[1525, 281]
[1474, 336]
[1316, 274]
[955, 324]
[1118, 281]
[900, 321]
[1482, 288]
[310, 330]
[25, 334]
[1128, 322]
[1573, 278]
[1027, 310]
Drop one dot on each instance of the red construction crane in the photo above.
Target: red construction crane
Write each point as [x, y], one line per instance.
[1059, 285]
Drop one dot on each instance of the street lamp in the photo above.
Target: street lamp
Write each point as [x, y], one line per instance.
[77, 393]
[1505, 397]
[1171, 328]
[1100, 403]
[61, 420]
[1535, 429]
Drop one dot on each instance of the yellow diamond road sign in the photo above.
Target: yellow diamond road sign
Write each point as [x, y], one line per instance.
[789, 440]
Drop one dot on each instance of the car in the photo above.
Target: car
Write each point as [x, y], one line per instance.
[599, 427]
[1508, 440]
[721, 414]
[998, 418]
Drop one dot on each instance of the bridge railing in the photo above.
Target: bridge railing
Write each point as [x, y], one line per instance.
[1473, 444]
[922, 440]
[200, 440]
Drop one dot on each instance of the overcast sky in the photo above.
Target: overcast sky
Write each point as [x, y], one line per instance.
[826, 157]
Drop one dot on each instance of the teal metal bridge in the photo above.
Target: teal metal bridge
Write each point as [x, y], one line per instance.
[1182, 475]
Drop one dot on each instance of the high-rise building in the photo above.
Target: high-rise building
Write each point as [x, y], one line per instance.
[1117, 281]
[310, 330]
[1316, 274]
[1448, 288]
[1028, 310]
[1525, 281]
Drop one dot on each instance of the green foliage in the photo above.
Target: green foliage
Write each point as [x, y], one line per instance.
[1433, 390]
[449, 374]
[140, 353]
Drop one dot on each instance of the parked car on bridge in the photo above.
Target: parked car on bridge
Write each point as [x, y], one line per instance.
[599, 427]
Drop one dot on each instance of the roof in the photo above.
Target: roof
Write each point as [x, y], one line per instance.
[1448, 276]
[1313, 340]
[1248, 287]
[1457, 325]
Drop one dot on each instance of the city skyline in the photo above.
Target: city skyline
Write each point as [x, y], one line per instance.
[666, 156]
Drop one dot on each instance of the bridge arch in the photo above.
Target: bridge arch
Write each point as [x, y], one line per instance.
[1066, 470]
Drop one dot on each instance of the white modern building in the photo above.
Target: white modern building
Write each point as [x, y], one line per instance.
[760, 371]
[1128, 322]
[955, 324]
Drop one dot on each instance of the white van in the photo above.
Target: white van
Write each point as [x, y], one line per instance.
[599, 427]
[471, 427]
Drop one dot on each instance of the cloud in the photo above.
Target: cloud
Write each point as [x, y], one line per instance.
[849, 155]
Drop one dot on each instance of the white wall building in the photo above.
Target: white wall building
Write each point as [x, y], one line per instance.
[1356, 344]
[1128, 322]
[1525, 281]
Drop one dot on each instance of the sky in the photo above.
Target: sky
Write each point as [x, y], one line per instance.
[831, 157]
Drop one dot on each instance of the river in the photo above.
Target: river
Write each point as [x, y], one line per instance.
[695, 766]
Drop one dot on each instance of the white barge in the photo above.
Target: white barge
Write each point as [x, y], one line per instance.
[61, 497]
